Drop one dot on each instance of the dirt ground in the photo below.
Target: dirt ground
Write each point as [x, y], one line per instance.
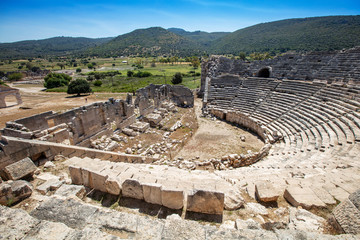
[215, 138]
[37, 101]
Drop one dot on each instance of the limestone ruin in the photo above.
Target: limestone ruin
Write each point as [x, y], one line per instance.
[307, 115]
[6, 92]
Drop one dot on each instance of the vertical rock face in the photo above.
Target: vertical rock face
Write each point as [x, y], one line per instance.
[20, 169]
[347, 214]
[14, 191]
[202, 201]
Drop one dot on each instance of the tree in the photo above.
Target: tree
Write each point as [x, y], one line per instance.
[79, 86]
[90, 66]
[78, 70]
[130, 73]
[177, 78]
[61, 65]
[54, 80]
[98, 83]
[195, 62]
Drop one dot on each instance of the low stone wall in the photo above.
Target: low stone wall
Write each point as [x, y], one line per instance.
[15, 149]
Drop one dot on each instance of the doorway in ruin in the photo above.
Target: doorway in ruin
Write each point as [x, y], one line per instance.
[264, 72]
[10, 100]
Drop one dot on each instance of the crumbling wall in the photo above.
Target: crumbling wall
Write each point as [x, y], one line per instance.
[334, 66]
[8, 91]
[76, 125]
[180, 95]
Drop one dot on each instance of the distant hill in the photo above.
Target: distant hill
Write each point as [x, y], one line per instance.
[303, 34]
[203, 38]
[152, 41]
[56, 46]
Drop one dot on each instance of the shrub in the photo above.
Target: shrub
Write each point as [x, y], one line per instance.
[15, 76]
[78, 70]
[177, 78]
[53, 80]
[141, 74]
[79, 86]
[98, 83]
[130, 73]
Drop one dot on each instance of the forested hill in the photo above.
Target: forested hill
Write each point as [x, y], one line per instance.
[203, 38]
[303, 34]
[152, 41]
[56, 46]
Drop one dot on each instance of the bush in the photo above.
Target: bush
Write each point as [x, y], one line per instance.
[140, 74]
[177, 78]
[54, 80]
[130, 73]
[79, 86]
[98, 83]
[78, 70]
[15, 76]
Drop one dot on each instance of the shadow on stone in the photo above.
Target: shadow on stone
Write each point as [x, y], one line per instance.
[272, 204]
[204, 217]
[106, 199]
[148, 208]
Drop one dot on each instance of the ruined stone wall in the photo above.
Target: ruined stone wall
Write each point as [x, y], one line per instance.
[180, 95]
[334, 66]
[15, 149]
[76, 125]
[8, 91]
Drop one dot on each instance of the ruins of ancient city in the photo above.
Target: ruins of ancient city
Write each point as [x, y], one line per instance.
[161, 164]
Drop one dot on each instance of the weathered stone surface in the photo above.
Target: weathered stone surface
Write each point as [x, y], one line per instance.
[49, 164]
[265, 192]
[70, 212]
[323, 195]
[140, 126]
[256, 208]
[355, 199]
[129, 132]
[13, 191]
[174, 229]
[50, 185]
[348, 217]
[304, 197]
[172, 197]
[209, 202]
[132, 188]
[301, 219]
[50, 230]
[97, 180]
[20, 169]
[247, 224]
[15, 223]
[227, 225]
[76, 175]
[113, 186]
[153, 119]
[152, 193]
[71, 190]
[233, 200]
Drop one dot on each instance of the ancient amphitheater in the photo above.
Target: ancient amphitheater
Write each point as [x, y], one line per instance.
[302, 184]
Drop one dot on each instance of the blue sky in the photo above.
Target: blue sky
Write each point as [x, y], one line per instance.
[38, 19]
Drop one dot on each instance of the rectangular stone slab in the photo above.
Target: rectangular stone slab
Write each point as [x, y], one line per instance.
[209, 202]
[152, 193]
[172, 197]
[265, 192]
[348, 217]
[304, 197]
[20, 169]
[133, 189]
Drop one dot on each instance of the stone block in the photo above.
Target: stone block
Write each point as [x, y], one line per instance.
[304, 197]
[152, 193]
[140, 126]
[348, 217]
[153, 119]
[97, 180]
[355, 198]
[14, 191]
[129, 132]
[172, 197]
[71, 190]
[233, 199]
[113, 186]
[132, 188]
[20, 169]
[209, 202]
[76, 175]
[265, 192]
[52, 184]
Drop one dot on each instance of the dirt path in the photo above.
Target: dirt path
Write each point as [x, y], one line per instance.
[36, 101]
[215, 138]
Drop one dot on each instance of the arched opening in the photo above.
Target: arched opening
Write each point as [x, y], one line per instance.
[10, 100]
[264, 72]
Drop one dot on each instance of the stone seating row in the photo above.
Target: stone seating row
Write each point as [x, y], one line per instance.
[170, 187]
